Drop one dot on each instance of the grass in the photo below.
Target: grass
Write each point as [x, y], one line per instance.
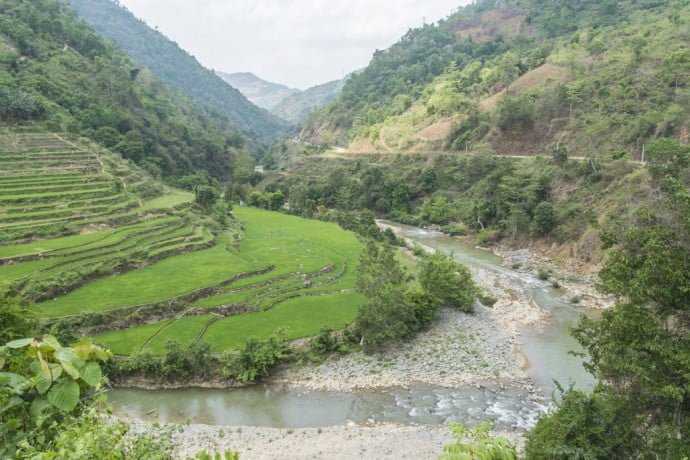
[169, 278]
[168, 200]
[291, 243]
[303, 317]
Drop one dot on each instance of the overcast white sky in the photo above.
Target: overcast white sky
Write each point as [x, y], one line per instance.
[299, 43]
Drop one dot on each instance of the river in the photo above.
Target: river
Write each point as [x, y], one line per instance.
[546, 350]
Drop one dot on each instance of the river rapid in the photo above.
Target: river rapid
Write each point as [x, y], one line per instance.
[545, 347]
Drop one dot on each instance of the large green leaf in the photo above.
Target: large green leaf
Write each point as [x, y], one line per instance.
[21, 343]
[14, 381]
[38, 406]
[91, 373]
[49, 343]
[12, 401]
[64, 395]
[69, 361]
[43, 381]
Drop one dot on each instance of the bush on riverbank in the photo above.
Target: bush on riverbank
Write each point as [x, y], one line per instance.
[448, 281]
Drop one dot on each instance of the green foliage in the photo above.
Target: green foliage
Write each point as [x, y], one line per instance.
[544, 219]
[544, 274]
[297, 107]
[606, 75]
[258, 357]
[667, 157]
[388, 313]
[206, 196]
[16, 105]
[41, 384]
[560, 155]
[425, 307]
[177, 363]
[325, 342]
[228, 455]
[476, 444]
[583, 426]
[51, 405]
[448, 281]
[437, 210]
[17, 318]
[270, 201]
[639, 349]
[515, 113]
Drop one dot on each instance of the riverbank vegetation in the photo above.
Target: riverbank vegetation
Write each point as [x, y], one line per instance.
[638, 349]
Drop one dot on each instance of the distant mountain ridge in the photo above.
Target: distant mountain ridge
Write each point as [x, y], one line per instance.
[297, 107]
[263, 93]
[177, 68]
[292, 105]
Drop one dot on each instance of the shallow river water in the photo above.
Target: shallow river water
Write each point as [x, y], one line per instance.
[546, 349]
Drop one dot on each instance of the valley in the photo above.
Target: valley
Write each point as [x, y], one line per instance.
[474, 247]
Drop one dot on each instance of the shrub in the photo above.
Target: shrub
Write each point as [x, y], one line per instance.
[543, 274]
[425, 308]
[257, 357]
[585, 426]
[575, 300]
[475, 443]
[325, 342]
[448, 281]
[544, 219]
[437, 210]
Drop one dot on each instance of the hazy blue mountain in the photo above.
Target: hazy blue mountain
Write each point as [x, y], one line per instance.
[263, 93]
[297, 107]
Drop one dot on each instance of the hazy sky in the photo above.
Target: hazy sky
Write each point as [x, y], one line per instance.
[299, 43]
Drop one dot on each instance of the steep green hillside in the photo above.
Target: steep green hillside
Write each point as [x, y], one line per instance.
[176, 67]
[263, 93]
[57, 74]
[297, 107]
[521, 77]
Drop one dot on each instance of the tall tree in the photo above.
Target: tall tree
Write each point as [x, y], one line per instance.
[388, 313]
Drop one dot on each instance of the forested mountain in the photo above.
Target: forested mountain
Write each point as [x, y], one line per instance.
[522, 77]
[176, 67]
[58, 75]
[263, 93]
[297, 107]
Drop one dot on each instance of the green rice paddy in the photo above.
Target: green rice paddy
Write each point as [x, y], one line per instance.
[75, 233]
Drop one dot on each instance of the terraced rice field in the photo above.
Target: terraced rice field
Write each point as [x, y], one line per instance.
[94, 243]
[52, 186]
[309, 287]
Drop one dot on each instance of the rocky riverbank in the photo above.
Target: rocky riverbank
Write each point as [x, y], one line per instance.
[376, 441]
[457, 350]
